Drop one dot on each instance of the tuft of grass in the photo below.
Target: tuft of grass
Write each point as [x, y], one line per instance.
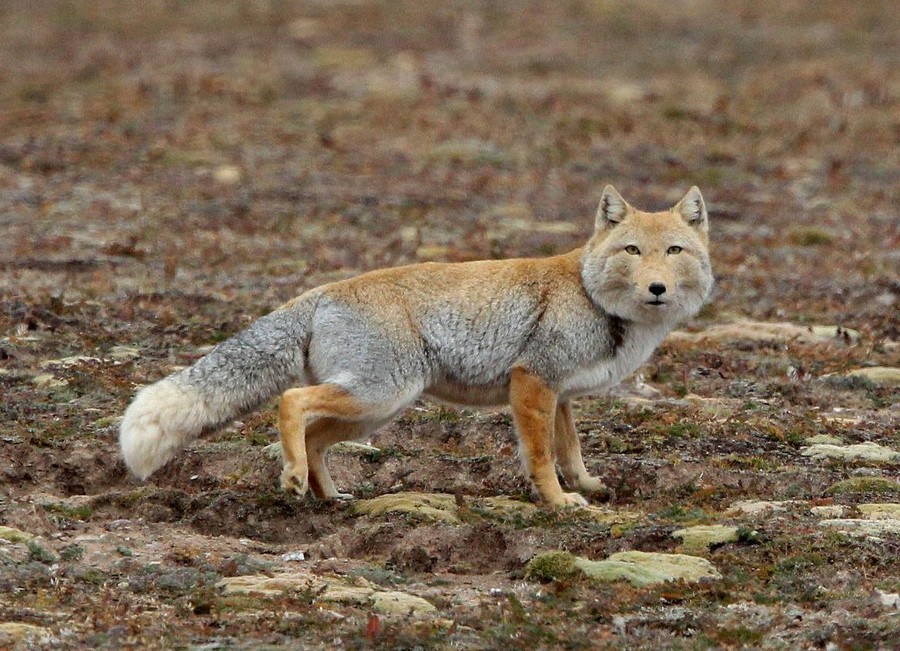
[71, 552]
[82, 512]
[810, 236]
[551, 566]
[39, 553]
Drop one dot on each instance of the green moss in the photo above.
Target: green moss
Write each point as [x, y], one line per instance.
[866, 485]
[41, 554]
[551, 566]
[811, 237]
[82, 512]
[71, 552]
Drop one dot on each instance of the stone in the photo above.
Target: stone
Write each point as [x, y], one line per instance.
[746, 330]
[437, 507]
[22, 632]
[757, 507]
[884, 376]
[392, 602]
[702, 537]
[829, 511]
[124, 353]
[48, 381]
[13, 535]
[269, 586]
[880, 511]
[503, 505]
[858, 451]
[648, 568]
[354, 447]
[864, 485]
[227, 174]
[823, 439]
[873, 529]
[330, 590]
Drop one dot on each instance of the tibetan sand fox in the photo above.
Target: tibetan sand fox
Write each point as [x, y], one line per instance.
[346, 357]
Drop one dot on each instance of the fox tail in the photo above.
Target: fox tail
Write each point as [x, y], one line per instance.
[235, 377]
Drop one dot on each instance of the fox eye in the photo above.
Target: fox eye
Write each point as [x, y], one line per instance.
[631, 249]
[672, 250]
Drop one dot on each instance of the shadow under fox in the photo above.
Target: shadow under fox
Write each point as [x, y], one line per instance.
[531, 333]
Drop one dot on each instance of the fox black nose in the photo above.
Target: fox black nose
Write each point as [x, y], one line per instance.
[657, 289]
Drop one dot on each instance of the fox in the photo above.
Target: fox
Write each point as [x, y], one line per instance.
[531, 333]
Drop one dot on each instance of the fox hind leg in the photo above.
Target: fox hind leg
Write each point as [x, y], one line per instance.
[568, 452]
[320, 435]
[297, 407]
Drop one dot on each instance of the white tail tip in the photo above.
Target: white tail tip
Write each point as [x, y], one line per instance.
[159, 422]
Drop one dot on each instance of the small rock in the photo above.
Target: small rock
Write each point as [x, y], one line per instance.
[503, 505]
[888, 599]
[21, 632]
[293, 556]
[48, 381]
[648, 568]
[354, 447]
[824, 439]
[391, 602]
[768, 332]
[702, 537]
[873, 529]
[859, 451]
[438, 507]
[864, 485]
[880, 511]
[269, 586]
[273, 450]
[13, 535]
[124, 353]
[68, 362]
[757, 507]
[227, 174]
[829, 511]
[884, 376]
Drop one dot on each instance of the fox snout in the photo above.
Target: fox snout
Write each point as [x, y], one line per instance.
[657, 289]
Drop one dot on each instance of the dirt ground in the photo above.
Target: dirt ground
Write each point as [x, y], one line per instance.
[170, 171]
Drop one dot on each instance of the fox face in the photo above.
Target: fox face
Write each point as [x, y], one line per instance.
[649, 268]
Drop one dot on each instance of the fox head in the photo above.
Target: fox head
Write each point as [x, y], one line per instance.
[650, 268]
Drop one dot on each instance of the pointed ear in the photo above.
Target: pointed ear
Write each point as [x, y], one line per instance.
[613, 209]
[692, 209]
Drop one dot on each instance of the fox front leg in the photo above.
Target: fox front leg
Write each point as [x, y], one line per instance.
[534, 406]
[568, 452]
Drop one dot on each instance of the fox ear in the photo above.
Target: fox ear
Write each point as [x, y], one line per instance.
[613, 209]
[692, 209]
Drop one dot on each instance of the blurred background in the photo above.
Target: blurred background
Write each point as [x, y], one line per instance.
[220, 146]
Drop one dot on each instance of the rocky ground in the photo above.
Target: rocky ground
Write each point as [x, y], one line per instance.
[171, 171]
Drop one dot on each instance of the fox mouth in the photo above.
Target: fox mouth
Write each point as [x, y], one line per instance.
[656, 301]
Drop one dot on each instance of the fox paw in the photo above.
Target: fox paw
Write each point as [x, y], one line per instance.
[569, 500]
[592, 485]
[295, 481]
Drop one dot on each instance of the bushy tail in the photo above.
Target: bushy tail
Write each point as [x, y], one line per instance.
[235, 377]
